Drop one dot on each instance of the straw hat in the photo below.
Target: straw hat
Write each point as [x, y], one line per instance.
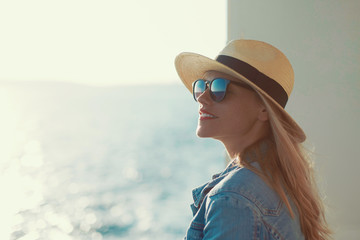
[258, 64]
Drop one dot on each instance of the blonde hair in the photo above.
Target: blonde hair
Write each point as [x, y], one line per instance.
[288, 170]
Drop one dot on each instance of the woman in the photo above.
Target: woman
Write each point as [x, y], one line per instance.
[268, 190]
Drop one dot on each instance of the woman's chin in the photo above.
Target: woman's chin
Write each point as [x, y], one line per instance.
[202, 133]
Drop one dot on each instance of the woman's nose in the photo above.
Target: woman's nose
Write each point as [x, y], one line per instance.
[205, 98]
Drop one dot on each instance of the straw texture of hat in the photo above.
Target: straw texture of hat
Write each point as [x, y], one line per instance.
[262, 66]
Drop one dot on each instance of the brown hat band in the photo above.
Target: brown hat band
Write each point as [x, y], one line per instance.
[267, 84]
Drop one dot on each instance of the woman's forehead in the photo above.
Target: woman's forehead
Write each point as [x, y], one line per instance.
[215, 74]
[210, 75]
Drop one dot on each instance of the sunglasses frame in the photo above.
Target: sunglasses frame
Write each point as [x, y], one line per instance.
[209, 83]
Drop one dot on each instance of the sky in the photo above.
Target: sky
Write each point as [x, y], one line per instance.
[107, 42]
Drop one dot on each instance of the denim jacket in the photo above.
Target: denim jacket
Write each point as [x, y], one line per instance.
[238, 204]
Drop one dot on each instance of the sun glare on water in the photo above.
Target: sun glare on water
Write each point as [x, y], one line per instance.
[21, 182]
[21, 190]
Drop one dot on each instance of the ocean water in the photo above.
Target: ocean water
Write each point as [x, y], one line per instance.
[79, 162]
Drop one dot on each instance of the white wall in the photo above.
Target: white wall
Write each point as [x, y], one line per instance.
[322, 41]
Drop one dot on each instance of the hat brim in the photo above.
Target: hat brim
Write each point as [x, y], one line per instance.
[192, 66]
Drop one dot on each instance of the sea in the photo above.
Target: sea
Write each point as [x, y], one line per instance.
[119, 162]
[102, 163]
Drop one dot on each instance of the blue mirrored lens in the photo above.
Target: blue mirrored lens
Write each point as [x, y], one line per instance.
[199, 88]
[218, 89]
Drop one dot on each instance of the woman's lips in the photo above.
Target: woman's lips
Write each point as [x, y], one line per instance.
[204, 115]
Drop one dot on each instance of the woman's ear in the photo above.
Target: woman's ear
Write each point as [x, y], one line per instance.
[263, 115]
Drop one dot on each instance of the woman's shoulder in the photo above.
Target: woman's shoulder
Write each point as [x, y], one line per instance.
[245, 185]
[244, 189]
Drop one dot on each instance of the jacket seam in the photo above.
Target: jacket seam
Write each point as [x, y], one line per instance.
[255, 225]
[273, 231]
[253, 200]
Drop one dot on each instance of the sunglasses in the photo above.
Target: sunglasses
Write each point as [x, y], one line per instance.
[216, 86]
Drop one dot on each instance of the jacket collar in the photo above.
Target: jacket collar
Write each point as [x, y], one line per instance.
[199, 193]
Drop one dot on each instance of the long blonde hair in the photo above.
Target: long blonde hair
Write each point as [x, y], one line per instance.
[288, 170]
